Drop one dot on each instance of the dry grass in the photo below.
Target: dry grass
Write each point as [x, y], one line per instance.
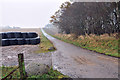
[103, 44]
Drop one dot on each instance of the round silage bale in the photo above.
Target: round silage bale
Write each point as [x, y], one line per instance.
[18, 35]
[13, 41]
[27, 40]
[10, 35]
[35, 41]
[5, 42]
[32, 35]
[25, 35]
[4, 35]
[21, 41]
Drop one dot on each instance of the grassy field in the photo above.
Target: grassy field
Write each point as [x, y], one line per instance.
[103, 44]
[16, 75]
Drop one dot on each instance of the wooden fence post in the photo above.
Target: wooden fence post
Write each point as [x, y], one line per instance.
[21, 66]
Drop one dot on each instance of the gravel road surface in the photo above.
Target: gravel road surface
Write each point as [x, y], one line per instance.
[10, 55]
[80, 63]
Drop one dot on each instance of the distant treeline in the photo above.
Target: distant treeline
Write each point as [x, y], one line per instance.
[82, 18]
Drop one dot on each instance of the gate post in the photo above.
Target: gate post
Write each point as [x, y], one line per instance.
[21, 66]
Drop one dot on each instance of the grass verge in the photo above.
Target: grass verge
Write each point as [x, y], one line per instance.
[103, 44]
[7, 70]
[16, 75]
[44, 45]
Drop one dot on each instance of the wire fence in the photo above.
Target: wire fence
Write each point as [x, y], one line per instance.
[21, 67]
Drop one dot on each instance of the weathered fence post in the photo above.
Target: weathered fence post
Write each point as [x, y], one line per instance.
[21, 66]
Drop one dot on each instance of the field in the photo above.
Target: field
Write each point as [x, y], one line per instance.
[31, 53]
[22, 30]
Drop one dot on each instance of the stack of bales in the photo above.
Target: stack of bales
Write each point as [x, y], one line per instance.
[19, 38]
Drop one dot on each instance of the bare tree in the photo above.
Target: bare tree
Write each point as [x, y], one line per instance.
[88, 17]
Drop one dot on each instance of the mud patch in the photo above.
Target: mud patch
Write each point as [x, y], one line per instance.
[83, 60]
[115, 60]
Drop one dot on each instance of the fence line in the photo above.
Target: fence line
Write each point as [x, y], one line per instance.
[21, 68]
[9, 74]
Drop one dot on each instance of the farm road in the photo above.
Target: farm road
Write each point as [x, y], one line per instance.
[80, 63]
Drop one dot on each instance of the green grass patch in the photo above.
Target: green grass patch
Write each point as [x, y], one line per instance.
[16, 75]
[44, 45]
[7, 70]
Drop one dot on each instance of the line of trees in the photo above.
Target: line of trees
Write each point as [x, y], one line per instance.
[82, 18]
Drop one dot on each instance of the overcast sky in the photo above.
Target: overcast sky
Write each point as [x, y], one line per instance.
[27, 13]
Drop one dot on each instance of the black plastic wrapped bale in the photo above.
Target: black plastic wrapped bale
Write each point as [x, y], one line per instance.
[13, 41]
[5, 42]
[21, 41]
[25, 35]
[18, 35]
[32, 35]
[4, 35]
[10, 35]
[27, 41]
[34, 41]
[19, 38]
[37, 40]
